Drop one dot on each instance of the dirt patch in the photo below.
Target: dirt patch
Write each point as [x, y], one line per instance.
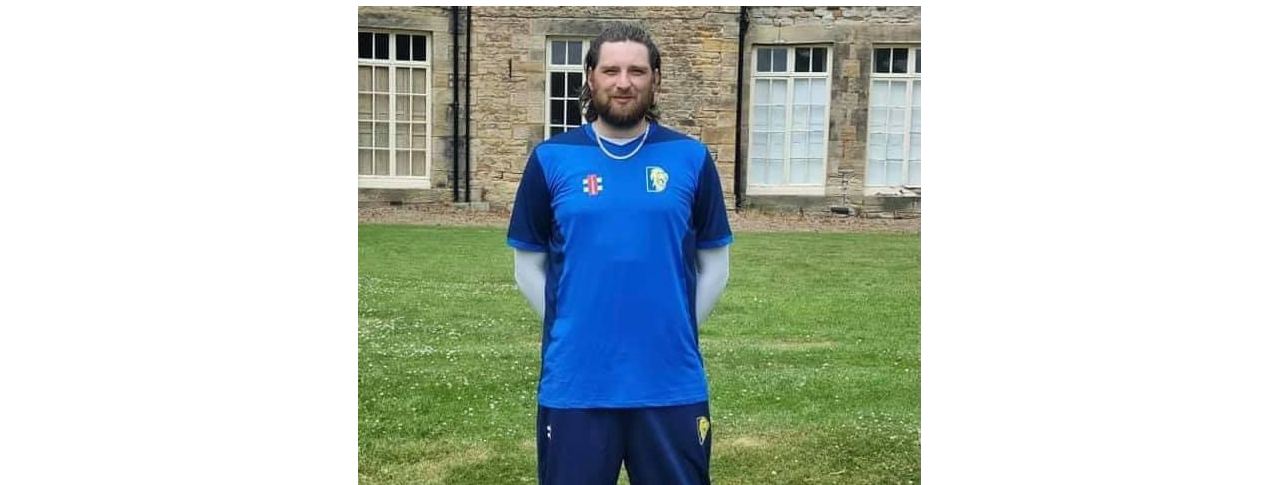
[434, 469]
[430, 215]
[745, 441]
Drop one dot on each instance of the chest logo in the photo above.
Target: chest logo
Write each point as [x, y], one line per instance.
[655, 179]
[593, 185]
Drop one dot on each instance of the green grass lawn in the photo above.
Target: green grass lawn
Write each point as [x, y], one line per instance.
[813, 355]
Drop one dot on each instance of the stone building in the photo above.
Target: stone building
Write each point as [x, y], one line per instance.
[829, 112]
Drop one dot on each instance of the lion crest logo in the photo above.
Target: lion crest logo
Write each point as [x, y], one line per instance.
[704, 426]
[656, 179]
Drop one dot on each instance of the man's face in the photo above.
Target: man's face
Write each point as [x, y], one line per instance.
[622, 83]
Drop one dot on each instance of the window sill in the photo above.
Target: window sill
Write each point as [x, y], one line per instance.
[895, 191]
[814, 190]
[385, 182]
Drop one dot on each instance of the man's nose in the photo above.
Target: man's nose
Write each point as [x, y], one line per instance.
[624, 82]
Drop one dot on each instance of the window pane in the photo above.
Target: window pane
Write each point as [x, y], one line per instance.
[800, 117]
[365, 106]
[876, 121]
[365, 134]
[419, 164]
[756, 172]
[402, 163]
[402, 108]
[419, 47]
[776, 148]
[575, 83]
[775, 172]
[882, 60]
[557, 52]
[915, 93]
[760, 119]
[381, 43]
[915, 147]
[802, 60]
[819, 60]
[778, 118]
[917, 61]
[875, 174]
[895, 148]
[880, 93]
[573, 113]
[816, 113]
[913, 173]
[760, 93]
[366, 162]
[556, 130]
[799, 169]
[402, 80]
[420, 81]
[366, 46]
[762, 60]
[818, 92]
[759, 144]
[402, 47]
[575, 52]
[780, 64]
[419, 136]
[896, 119]
[380, 102]
[876, 150]
[898, 93]
[915, 120]
[419, 111]
[381, 162]
[380, 79]
[557, 84]
[800, 94]
[893, 174]
[815, 145]
[899, 64]
[402, 135]
[557, 112]
[366, 78]
[779, 96]
[381, 135]
[799, 145]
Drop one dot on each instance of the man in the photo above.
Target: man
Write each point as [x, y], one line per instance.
[621, 239]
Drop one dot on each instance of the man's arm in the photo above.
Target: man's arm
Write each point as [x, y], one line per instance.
[713, 274]
[531, 278]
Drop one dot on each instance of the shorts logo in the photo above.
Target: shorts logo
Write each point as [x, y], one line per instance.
[655, 179]
[593, 185]
[704, 425]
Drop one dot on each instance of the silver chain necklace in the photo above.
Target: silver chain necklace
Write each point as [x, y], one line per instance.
[633, 152]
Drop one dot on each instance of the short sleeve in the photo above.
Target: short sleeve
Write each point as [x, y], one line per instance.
[710, 221]
[531, 218]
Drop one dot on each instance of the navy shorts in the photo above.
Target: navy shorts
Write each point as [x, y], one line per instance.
[660, 446]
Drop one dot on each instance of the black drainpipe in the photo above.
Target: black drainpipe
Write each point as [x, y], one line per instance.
[468, 106]
[737, 132]
[453, 25]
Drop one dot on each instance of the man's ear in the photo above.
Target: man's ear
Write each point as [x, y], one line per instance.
[657, 77]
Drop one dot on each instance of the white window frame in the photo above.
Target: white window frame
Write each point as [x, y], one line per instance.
[565, 68]
[910, 77]
[790, 75]
[400, 181]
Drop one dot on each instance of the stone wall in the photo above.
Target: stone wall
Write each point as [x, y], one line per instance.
[697, 96]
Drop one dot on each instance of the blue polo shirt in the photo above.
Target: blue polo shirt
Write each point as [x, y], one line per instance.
[621, 237]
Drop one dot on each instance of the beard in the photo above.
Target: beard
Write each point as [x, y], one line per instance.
[622, 116]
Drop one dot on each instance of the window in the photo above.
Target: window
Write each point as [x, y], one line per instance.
[564, 80]
[394, 90]
[788, 146]
[893, 125]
